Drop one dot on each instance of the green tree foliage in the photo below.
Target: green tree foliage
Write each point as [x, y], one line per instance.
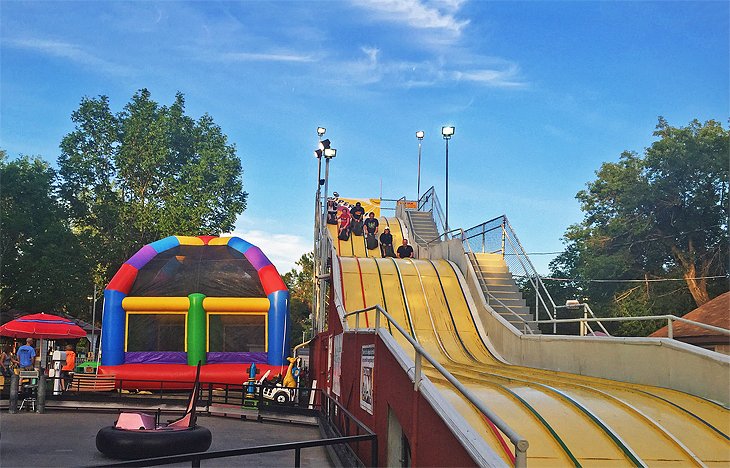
[144, 173]
[300, 281]
[43, 265]
[663, 214]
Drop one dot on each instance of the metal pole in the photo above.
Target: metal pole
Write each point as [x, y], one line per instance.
[418, 196]
[317, 237]
[14, 384]
[447, 185]
[417, 372]
[93, 325]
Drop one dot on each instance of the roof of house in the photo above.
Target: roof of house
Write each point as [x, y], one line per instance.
[715, 312]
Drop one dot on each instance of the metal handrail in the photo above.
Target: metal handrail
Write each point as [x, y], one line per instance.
[430, 201]
[521, 444]
[485, 289]
[668, 317]
[510, 242]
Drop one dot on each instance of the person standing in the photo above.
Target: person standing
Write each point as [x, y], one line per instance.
[8, 361]
[405, 250]
[67, 370]
[26, 355]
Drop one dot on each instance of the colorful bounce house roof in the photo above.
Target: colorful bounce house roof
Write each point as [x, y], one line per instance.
[183, 299]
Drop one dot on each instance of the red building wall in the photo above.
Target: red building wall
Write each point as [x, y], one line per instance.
[432, 443]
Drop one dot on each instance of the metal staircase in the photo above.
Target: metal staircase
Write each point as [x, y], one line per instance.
[423, 227]
[501, 291]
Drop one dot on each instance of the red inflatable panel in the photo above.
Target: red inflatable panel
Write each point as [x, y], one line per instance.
[270, 279]
[181, 376]
[206, 239]
[124, 279]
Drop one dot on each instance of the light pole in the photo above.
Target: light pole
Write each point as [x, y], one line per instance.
[317, 226]
[328, 154]
[93, 324]
[447, 133]
[419, 134]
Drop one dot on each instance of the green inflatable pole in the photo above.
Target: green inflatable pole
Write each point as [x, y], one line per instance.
[196, 330]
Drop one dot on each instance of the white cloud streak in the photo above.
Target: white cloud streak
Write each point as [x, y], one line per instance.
[418, 14]
[71, 52]
[262, 57]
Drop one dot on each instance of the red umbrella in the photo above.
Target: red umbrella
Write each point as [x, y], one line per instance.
[42, 326]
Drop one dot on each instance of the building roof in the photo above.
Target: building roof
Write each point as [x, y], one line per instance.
[715, 312]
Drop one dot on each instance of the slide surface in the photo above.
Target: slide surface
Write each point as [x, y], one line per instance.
[568, 419]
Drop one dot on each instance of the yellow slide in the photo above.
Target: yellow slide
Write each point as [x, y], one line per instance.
[568, 419]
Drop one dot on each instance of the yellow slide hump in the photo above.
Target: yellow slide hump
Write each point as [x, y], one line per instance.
[568, 419]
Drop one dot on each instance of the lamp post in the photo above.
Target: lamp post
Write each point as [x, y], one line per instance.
[419, 134]
[93, 324]
[447, 133]
[317, 224]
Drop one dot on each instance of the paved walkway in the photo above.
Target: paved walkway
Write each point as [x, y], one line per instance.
[66, 438]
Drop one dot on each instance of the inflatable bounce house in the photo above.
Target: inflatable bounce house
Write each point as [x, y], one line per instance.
[181, 300]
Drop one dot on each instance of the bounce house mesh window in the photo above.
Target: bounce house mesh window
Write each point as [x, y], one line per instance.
[216, 271]
[235, 333]
[156, 332]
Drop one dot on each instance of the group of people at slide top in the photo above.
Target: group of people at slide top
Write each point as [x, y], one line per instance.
[354, 221]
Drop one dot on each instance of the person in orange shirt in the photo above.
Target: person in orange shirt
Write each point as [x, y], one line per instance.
[68, 369]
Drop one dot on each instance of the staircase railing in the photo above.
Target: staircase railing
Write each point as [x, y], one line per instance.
[488, 296]
[497, 236]
[430, 202]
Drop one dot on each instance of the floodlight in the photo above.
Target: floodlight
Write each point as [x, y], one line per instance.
[420, 134]
[324, 144]
[317, 154]
[447, 132]
[321, 131]
[330, 153]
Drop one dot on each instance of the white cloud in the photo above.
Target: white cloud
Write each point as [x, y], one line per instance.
[418, 14]
[68, 51]
[508, 77]
[282, 249]
[372, 68]
[261, 57]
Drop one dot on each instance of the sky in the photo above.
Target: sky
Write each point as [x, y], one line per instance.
[541, 93]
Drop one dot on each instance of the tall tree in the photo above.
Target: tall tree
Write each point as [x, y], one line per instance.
[43, 266]
[299, 281]
[144, 173]
[655, 216]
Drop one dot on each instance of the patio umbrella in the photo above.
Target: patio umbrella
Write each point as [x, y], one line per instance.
[42, 325]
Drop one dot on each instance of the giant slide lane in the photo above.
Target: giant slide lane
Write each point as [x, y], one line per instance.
[568, 419]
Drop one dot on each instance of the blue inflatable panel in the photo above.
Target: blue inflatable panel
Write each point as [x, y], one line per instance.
[112, 329]
[278, 328]
[239, 244]
[165, 244]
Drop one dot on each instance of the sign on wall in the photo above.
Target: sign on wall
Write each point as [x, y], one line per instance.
[367, 364]
[337, 364]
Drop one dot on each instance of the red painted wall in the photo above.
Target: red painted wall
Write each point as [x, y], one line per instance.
[432, 442]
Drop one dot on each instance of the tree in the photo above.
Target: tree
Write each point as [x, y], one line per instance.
[145, 173]
[659, 215]
[300, 284]
[43, 265]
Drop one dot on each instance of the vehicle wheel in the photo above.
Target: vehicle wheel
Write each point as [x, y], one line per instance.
[281, 397]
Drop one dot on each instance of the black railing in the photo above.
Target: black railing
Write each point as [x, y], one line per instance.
[348, 432]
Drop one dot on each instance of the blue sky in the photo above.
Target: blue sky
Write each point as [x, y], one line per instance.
[540, 93]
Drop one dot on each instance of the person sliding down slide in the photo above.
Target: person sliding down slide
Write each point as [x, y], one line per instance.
[386, 243]
[343, 232]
